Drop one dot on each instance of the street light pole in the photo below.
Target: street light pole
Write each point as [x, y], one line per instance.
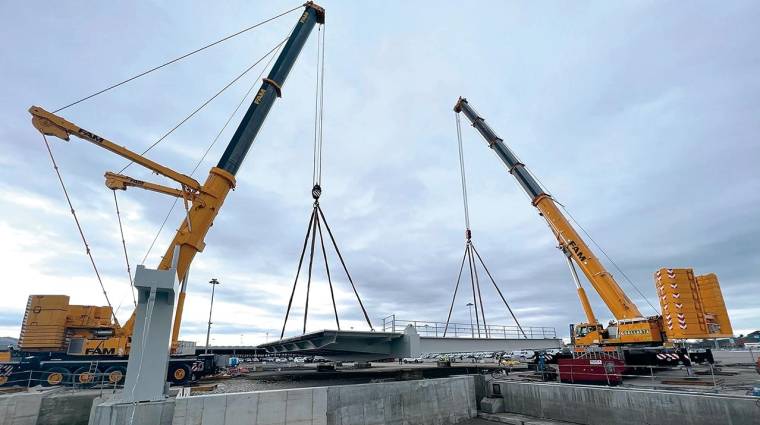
[213, 283]
[469, 306]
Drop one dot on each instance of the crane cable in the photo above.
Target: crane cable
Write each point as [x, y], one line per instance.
[177, 59]
[472, 256]
[211, 145]
[79, 227]
[630, 282]
[124, 246]
[204, 104]
[317, 218]
[464, 176]
[588, 235]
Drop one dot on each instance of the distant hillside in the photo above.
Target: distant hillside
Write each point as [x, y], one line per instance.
[5, 341]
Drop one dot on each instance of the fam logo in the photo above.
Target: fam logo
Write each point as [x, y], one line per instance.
[572, 246]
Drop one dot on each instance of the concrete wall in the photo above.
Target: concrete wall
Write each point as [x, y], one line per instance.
[455, 345]
[304, 406]
[49, 407]
[66, 408]
[424, 402]
[20, 408]
[603, 406]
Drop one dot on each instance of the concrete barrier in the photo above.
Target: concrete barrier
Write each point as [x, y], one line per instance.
[304, 406]
[422, 402]
[625, 406]
[20, 408]
[66, 408]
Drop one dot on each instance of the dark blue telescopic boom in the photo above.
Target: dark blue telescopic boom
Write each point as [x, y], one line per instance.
[271, 89]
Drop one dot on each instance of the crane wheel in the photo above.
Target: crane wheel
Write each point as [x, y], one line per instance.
[115, 375]
[84, 378]
[179, 374]
[55, 376]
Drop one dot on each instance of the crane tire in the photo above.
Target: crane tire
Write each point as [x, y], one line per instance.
[179, 374]
[55, 376]
[114, 375]
[83, 378]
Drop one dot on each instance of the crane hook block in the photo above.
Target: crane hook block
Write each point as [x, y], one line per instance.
[320, 11]
[316, 191]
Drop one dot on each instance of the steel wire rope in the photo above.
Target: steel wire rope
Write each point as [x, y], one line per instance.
[79, 228]
[177, 59]
[204, 104]
[470, 247]
[345, 269]
[625, 276]
[498, 290]
[327, 269]
[208, 149]
[630, 282]
[463, 175]
[126, 256]
[317, 215]
[453, 299]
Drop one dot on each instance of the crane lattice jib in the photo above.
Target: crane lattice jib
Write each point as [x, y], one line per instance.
[569, 240]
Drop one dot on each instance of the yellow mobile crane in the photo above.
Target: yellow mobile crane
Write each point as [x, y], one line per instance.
[70, 344]
[692, 305]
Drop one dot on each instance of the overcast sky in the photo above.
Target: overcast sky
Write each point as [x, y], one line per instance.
[640, 117]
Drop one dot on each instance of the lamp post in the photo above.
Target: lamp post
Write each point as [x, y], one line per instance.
[213, 283]
[469, 306]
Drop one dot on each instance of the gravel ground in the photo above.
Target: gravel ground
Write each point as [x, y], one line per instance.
[243, 384]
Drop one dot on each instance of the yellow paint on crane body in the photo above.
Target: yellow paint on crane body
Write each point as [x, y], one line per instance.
[206, 201]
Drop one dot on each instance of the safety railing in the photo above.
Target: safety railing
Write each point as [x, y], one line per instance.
[696, 378]
[470, 330]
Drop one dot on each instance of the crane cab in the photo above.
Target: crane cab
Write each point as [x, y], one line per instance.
[641, 330]
[585, 334]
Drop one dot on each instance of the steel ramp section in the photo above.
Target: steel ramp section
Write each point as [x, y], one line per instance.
[342, 345]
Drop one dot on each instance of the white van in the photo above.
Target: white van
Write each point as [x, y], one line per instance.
[521, 355]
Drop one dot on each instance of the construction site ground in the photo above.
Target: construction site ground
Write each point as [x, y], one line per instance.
[734, 373]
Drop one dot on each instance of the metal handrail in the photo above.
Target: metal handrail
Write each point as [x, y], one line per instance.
[458, 330]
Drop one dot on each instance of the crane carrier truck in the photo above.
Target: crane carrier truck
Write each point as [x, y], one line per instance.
[692, 306]
[84, 345]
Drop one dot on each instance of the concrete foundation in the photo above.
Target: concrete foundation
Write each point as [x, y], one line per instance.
[67, 408]
[424, 402]
[20, 408]
[112, 412]
[624, 406]
[492, 405]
